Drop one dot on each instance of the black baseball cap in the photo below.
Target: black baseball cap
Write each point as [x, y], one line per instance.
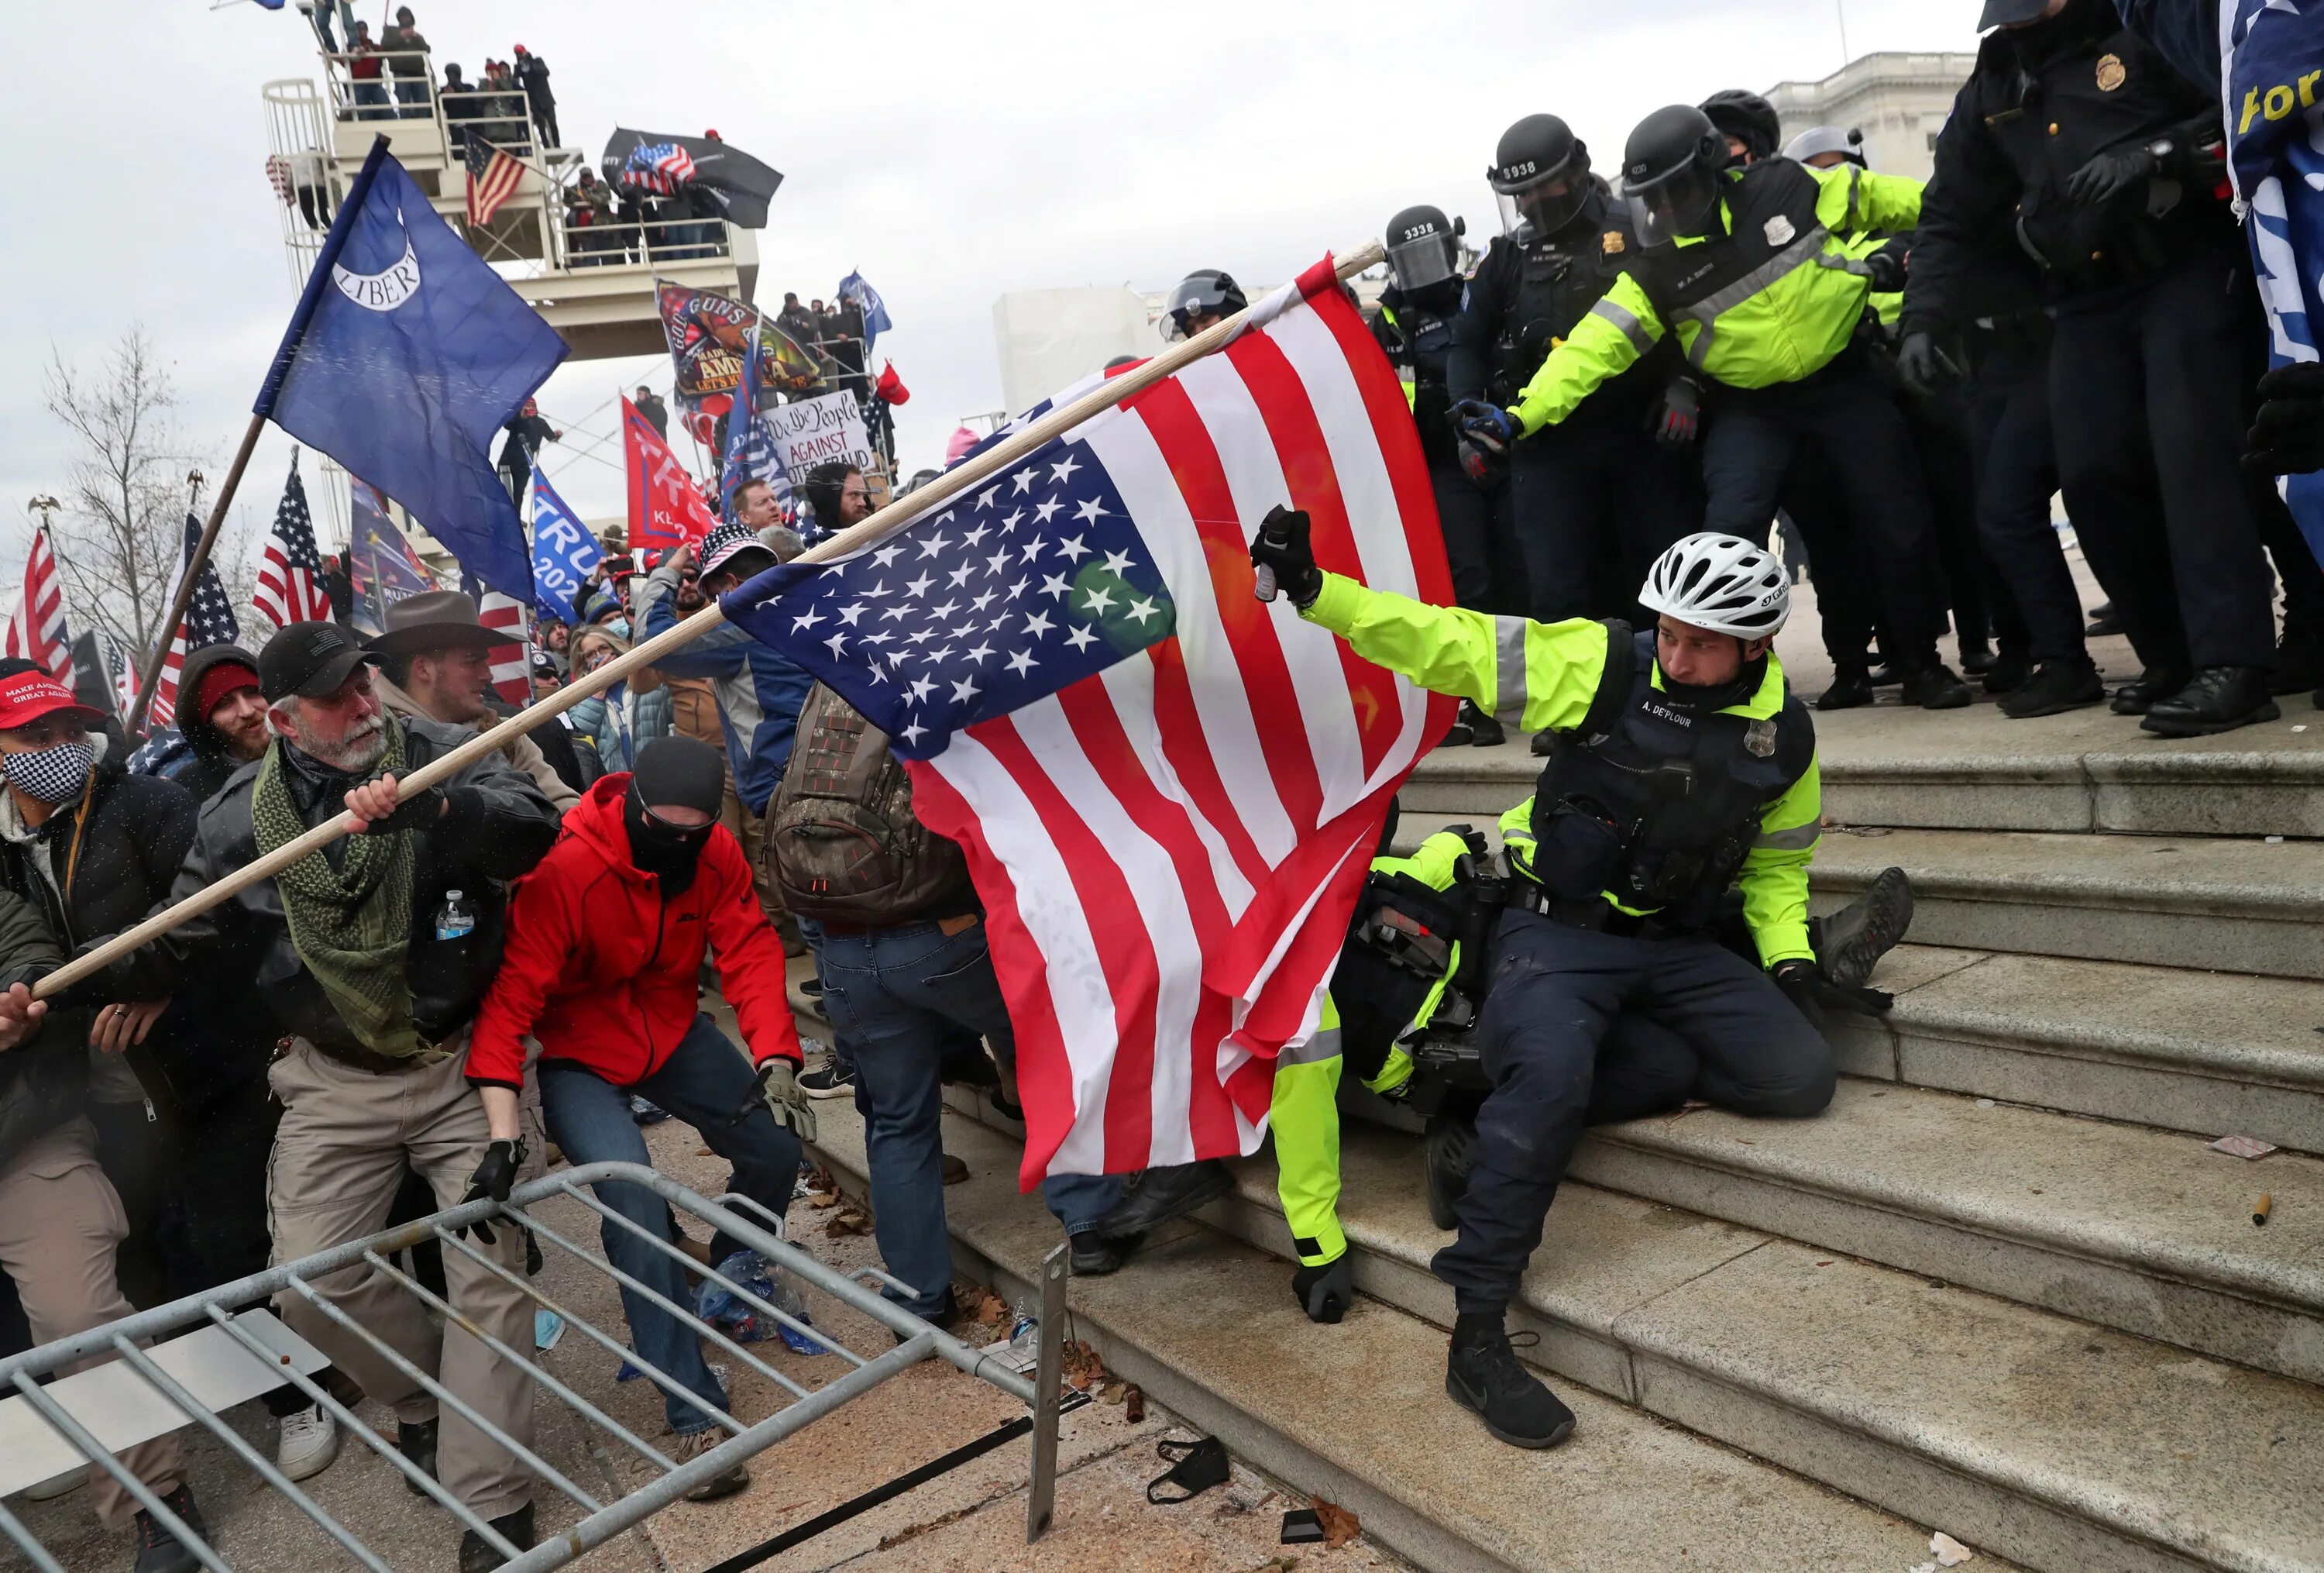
[308, 659]
[2008, 13]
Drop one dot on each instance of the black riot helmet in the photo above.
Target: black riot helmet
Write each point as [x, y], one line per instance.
[1424, 247]
[1204, 292]
[1541, 175]
[1749, 119]
[1671, 173]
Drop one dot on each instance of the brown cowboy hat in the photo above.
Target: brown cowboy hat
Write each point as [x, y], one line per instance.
[434, 620]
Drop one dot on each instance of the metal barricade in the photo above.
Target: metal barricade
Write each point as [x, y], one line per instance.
[133, 1340]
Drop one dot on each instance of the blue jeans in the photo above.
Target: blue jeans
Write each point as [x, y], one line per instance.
[704, 1083]
[369, 93]
[900, 998]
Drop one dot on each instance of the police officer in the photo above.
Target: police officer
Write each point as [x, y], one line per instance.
[1748, 122]
[1415, 325]
[1746, 269]
[1202, 299]
[1683, 766]
[1596, 499]
[2084, 142]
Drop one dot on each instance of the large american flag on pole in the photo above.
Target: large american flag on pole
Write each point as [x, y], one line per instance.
[210, 620]
[1169, 792]
[36, 624]
[290, 580]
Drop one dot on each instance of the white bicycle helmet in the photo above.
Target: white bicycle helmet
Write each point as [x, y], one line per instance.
[1720, 582]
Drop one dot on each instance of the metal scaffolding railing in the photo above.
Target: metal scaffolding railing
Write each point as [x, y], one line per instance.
[132, 1340]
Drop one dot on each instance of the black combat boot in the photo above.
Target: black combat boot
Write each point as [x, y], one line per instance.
[1167, 1193]
[2055, 688]
[2219, 699]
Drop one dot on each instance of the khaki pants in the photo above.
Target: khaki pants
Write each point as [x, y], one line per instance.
[345, 1139]
[60, 1223]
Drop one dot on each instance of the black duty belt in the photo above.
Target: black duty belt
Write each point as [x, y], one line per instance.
[1594, 913]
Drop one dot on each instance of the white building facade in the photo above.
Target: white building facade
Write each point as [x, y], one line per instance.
[1898, 100]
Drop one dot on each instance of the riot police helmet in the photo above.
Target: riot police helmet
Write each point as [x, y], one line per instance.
[1827, 147]
[1201, 299]
[1424, 247]
[1744, 118]
[1540, 176]
[1671, 173]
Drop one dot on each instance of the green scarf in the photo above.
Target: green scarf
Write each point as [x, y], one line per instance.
[352, 926]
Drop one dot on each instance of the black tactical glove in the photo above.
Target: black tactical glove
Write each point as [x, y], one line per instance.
[1489, 426]
[1325, 1292]
[1285, 559]
[418, 809]
[1926, 369]
[493, 1179]
[1887, 270]
[2110, 175]
[1678, 421]
[2288, 437]
[1804, 983]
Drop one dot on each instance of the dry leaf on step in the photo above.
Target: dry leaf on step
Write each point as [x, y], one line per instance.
[1340, 1525]
[847, 1221]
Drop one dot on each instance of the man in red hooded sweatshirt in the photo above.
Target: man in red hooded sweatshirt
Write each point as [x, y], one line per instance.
[605, 942]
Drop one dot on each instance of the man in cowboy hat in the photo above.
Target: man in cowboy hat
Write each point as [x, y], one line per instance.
[434, 661]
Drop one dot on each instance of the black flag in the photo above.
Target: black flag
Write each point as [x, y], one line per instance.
[650, 162]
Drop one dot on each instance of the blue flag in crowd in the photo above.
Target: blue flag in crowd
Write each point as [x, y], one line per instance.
[2265, 56]
[406, 356]
[1002, 597]
[381, 564]
[751, 453]
[875, 310]
[563, 553]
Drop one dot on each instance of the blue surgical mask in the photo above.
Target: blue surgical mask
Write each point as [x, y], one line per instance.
[54, 775]
[620, 628]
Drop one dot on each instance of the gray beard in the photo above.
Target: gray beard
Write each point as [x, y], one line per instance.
[353, 755]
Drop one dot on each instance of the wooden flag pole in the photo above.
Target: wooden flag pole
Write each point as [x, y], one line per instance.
[185, 594]
[892, 517]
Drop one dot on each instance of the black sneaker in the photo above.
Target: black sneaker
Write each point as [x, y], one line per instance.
[1859, 934]
[2220, 698]
[477, 1553]
[158, 1550]
[1934, 687]
[1163, 1194]
[2055, 688]
[2104, 620]
[1542, 742]
[829, 1080]
[1482, 1373]
[1852, 688]
[1096, 1254]
[1977, 657]
[1484, 732]
[2138, 696]
[2010, 672]
[417, 1443]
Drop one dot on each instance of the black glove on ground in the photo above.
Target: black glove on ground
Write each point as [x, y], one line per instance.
[1325, 1292]
[2288, 437]
[493, 1179]
[1807, 987]
[1285, 558]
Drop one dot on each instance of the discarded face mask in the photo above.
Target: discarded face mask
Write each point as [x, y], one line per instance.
[1195, 1467]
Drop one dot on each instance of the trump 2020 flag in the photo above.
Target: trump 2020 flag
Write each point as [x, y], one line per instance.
[563, 551]
[406, 356]
[1169, 792]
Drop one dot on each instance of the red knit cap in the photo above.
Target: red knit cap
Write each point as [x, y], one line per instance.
[219, 682]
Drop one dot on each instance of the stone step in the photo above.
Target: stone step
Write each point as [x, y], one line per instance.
[2146, 1231]
[1357, 1414]
[2202, 1052]
[1971, 769]
[2215, 904]
[2055, 1442]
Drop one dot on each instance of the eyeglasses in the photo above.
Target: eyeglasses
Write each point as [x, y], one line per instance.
[47, 731]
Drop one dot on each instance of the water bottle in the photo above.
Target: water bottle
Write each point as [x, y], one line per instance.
[455, 920]
[1025, 1331]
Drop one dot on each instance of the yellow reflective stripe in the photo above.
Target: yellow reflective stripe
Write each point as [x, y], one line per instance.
[1799, 838]
[1322, 1044]
[1509, 669]
[1623, 317]
[1393, 1074]
[1718, 302]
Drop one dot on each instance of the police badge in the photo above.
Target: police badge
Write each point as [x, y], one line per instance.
[2112, 73]
[1759, 738]
[1613, 243]
[1779, 231]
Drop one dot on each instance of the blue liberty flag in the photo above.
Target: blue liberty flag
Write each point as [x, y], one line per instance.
[407, 354]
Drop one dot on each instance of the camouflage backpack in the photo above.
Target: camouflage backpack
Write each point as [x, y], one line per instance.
[843, 844]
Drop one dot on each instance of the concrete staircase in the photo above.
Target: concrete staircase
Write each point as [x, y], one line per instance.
[2003, 1289]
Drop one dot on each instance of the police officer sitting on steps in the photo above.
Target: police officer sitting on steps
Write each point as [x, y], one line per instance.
[1683, 766]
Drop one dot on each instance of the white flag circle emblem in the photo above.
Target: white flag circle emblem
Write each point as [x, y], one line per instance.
[386, 289]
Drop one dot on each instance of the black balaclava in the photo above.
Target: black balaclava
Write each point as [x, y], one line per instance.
[672, 772]
[1715, 696]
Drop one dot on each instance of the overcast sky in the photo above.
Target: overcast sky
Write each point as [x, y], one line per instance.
[952, 152]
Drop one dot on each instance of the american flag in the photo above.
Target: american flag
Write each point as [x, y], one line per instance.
[493, 177]
[511, 662]
[36, 630]
[290, 579]
[661, 166]
[1170, 793]
[210, 620]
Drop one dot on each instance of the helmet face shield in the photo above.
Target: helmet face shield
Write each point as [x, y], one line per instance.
[1545, 205]
[1676, 206]
[1425, 259]
[1199, 296]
